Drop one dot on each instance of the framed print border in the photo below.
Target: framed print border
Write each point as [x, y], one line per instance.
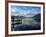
[6, 17]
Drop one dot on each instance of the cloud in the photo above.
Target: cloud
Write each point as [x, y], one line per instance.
[25, 13]
[19, 11]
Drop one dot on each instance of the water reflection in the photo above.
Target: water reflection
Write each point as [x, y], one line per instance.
[25, 24]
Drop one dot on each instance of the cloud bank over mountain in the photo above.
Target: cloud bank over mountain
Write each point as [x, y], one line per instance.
[27, 11]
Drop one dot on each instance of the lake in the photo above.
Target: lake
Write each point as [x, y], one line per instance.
[25, 24]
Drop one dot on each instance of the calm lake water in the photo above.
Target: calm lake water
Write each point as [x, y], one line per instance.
[26, 24]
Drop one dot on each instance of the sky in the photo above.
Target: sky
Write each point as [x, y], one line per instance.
[28, 11]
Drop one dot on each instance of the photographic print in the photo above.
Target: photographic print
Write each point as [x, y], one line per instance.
[25, 18]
